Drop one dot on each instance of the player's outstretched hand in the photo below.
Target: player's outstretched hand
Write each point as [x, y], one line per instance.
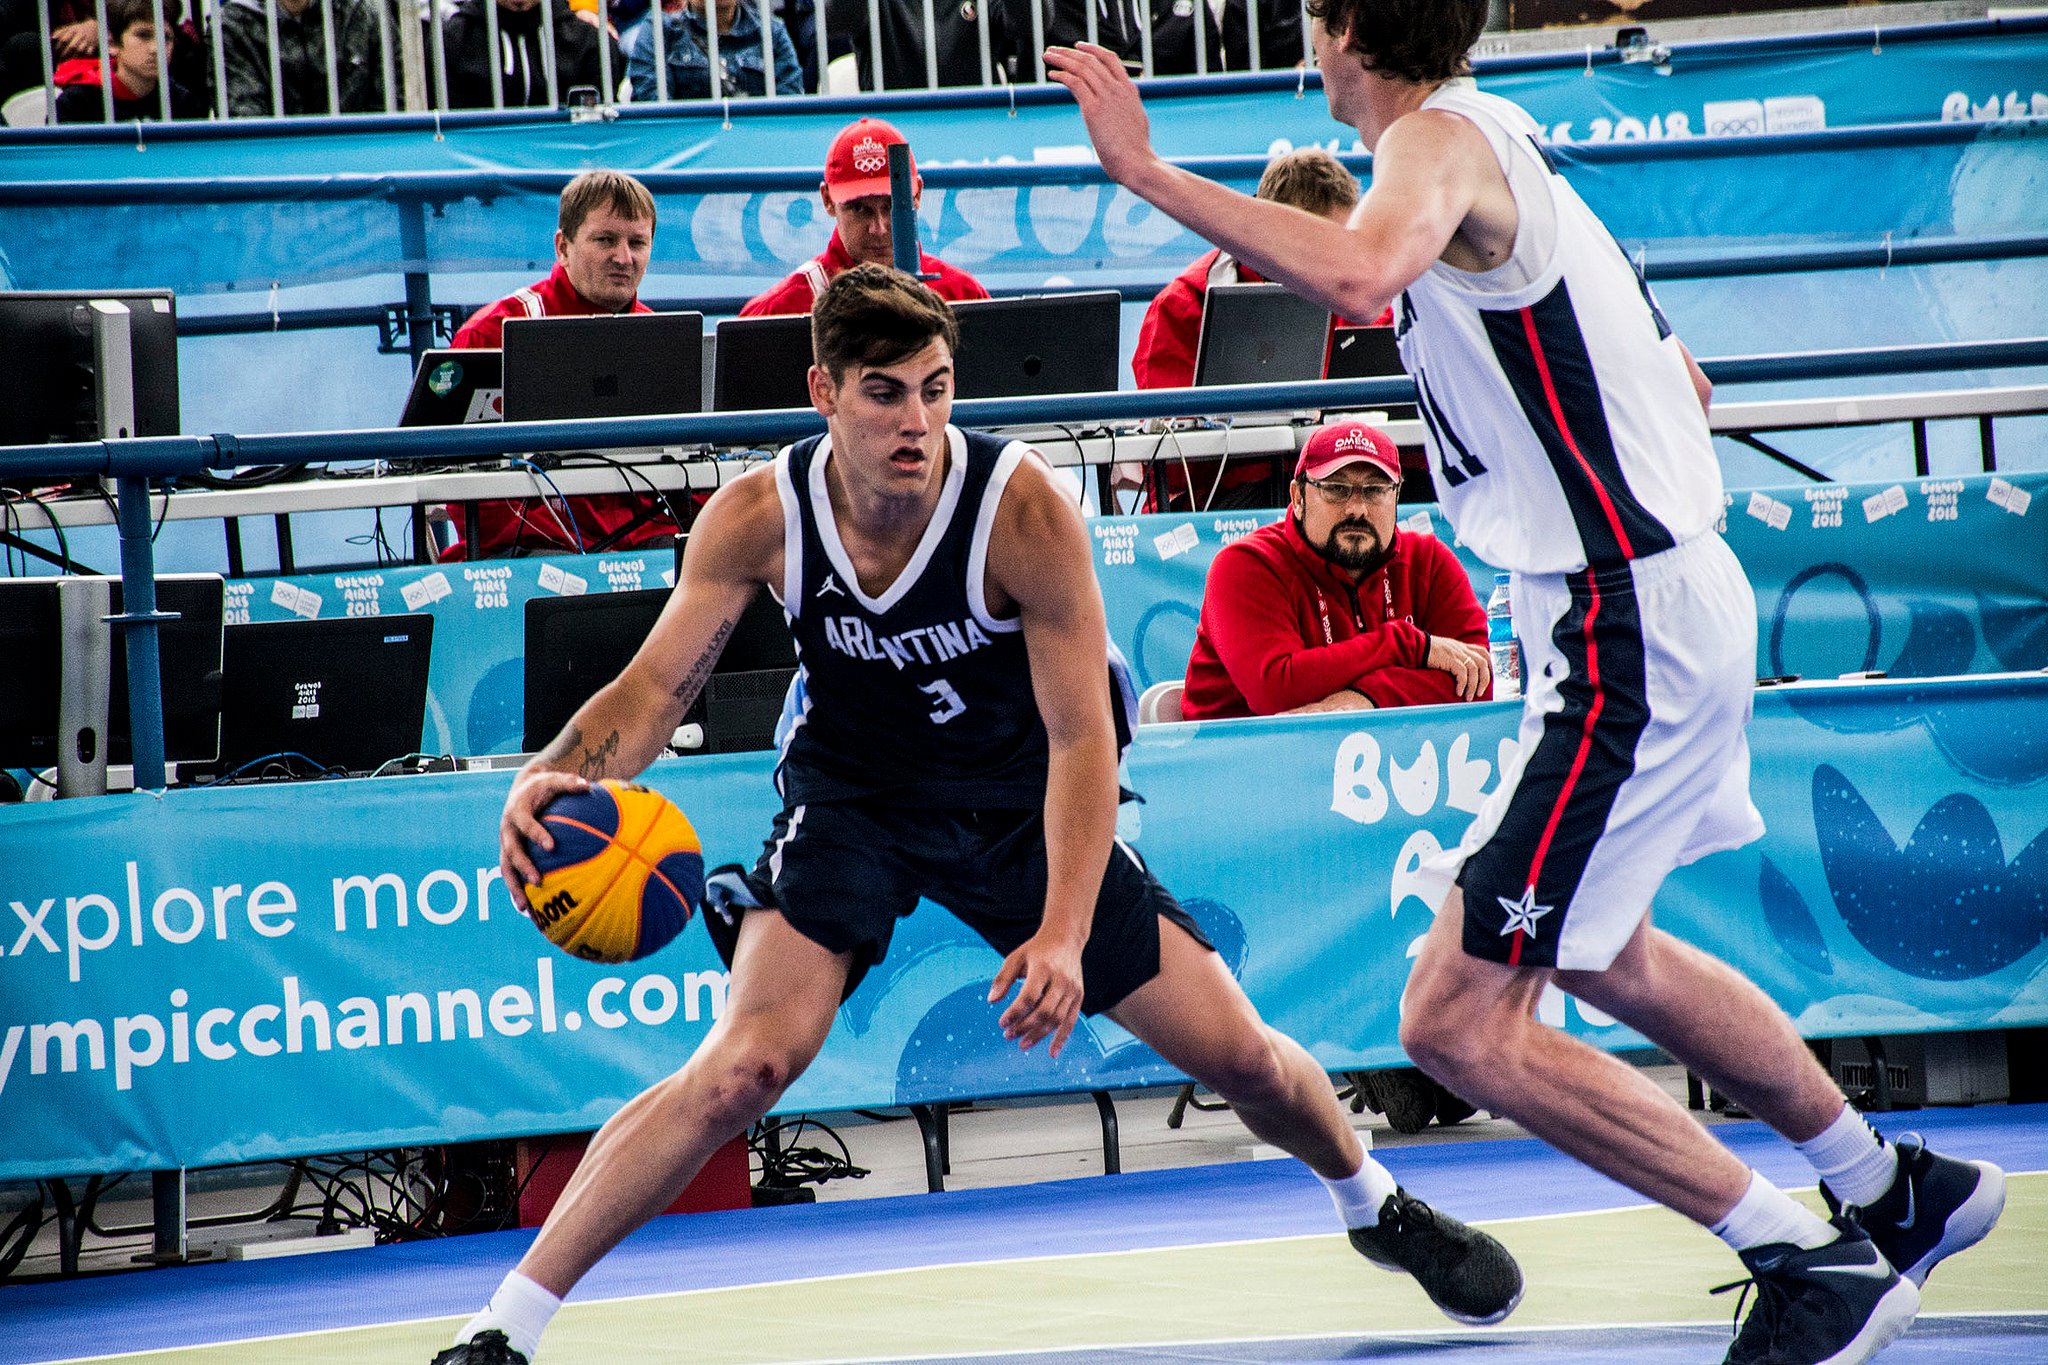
[1110, 105]
[531, 791]
[1049, 1002]
[1470, 667]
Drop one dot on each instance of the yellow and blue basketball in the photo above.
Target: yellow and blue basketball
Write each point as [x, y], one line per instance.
[623, 877]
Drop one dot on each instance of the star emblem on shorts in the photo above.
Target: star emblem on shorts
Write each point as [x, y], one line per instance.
[1523, 914]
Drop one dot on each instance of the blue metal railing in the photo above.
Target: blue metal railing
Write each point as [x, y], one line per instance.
[1658, 267]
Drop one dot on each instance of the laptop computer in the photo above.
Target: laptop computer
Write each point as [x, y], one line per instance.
[615, 365]
[1050, 343]
[1369, 353]
[761, 363]
[1259, 334]
[453, 387]
[347, 692]
[575, 645]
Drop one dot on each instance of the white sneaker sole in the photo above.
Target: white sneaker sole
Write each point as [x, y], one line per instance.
[1968, 1225]
[1888, 1322]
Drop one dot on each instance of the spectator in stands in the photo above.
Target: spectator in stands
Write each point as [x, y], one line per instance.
[521, 64]
[957, 40]
[132, 62]
[303, 55]
[1334, 608]
[1309, 179]
[603, 239]
[74, 33]
[688, 50]
[856, 196]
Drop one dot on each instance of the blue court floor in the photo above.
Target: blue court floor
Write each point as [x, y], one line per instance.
[1213, 1263]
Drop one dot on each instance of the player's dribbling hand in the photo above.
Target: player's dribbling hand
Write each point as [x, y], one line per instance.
[1470, 667]
[1049, 1002]
[1110, 105]
[531, 791]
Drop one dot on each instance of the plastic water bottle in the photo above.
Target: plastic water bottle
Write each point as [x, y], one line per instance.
[1501, 642]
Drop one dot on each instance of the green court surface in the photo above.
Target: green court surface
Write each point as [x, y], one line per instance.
[1625, 1266]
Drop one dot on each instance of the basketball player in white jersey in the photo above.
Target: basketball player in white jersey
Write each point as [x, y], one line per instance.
[1569, 445]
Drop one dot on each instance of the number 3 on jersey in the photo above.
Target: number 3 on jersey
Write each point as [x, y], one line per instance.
[946, 702]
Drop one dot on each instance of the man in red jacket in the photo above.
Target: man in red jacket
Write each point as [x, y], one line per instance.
[1333, 608]
[856, 196]
[603, 239]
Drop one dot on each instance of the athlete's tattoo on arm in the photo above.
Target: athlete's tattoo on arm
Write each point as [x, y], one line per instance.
[596, 760]
[590, 762]
[561, 746]
[693, 681]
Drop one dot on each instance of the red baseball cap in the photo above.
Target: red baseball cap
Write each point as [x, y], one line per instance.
[858, 164]
[1343, 443]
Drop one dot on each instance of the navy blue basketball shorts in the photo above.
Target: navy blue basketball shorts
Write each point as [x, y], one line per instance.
[843, 873]
[1632, 758]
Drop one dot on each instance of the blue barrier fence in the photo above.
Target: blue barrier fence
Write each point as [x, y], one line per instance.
[232, 975]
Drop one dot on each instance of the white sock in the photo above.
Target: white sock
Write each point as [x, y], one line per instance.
[520, 1309]
[1358, 1198]
[1854, 1163]
[1767, 1214]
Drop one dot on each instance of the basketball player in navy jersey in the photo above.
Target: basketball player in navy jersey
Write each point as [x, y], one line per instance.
[955, 740]
[1568, 444]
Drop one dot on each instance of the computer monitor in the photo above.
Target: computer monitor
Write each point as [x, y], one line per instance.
[616, 365]
[1051, 343]
[761, 363]
[452, 387]
[1259, 334]
[47, 354]
[575, 645]
[1364, 353]
[189, 660]
[1369, 353]
[348, 692]
[33, 641]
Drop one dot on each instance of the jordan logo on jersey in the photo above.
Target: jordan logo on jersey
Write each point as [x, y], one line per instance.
[855, 638]
[830, 584]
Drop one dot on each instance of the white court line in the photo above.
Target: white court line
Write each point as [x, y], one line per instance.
[949, 1265]
[1448, 1330]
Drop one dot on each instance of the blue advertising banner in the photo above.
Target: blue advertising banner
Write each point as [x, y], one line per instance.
[1918, 578]
[1016, 227]
[227, 975]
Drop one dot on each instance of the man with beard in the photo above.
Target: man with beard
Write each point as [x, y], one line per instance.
[1332, 608]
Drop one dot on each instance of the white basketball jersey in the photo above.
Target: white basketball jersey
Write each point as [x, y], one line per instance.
[1563, 429]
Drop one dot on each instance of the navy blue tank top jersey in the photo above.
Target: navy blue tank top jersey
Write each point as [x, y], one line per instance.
[918, 694]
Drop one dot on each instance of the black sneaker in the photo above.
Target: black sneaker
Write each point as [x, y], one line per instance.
[1936, 1207]
[1465, 1272]
[1832, 1305]
[488, 1347]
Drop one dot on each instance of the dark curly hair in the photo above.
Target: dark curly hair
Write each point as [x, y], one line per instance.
[1424, 41]
[874, 316]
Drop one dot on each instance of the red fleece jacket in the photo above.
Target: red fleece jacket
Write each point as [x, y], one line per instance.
[1282, 627]
[794, 294]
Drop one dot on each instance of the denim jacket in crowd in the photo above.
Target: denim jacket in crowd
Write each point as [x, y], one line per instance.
[739, 57]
